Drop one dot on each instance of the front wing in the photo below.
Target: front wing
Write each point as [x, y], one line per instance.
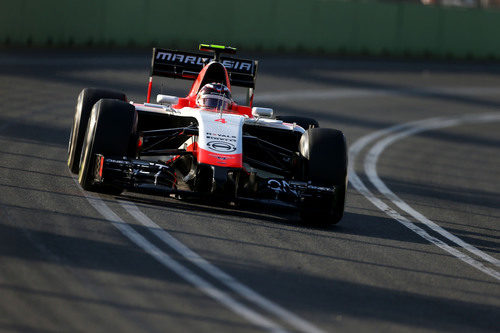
[226, 183]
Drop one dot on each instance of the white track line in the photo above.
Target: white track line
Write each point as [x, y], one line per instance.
[244, 291]
[371, 171]
[200, 283]
[361, 188]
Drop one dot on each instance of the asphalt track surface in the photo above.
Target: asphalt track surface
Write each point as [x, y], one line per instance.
[417, 249]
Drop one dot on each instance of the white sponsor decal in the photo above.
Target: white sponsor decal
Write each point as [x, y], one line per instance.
[181, 58]
[197, 60]
[235, 64]
[281, 186]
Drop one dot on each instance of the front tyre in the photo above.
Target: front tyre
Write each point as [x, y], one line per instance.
[326, 152]
[86, 100]
[111, 128]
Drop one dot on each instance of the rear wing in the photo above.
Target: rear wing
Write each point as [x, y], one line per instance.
[187, 65]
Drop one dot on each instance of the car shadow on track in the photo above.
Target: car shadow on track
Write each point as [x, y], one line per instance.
[266, 213]
[363, 225]
[330, 298]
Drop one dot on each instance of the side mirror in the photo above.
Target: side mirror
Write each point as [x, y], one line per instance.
[167, 99]
[262, 112]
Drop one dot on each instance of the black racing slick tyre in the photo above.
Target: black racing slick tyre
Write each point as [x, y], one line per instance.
[111, 128]
[326, 152]
[303, 122]
[86, 100]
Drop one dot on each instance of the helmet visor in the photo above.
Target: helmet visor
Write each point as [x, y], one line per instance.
[214, 102]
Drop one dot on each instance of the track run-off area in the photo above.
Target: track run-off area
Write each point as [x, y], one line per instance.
[417, 249]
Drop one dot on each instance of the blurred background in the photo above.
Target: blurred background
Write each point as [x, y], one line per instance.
[348, 64]
[463, 29]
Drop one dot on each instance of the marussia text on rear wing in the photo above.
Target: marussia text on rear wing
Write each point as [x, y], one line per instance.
[187, 65]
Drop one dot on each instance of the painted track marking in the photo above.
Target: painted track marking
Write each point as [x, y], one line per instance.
[167, 261]
[370, 164]
[371, 171]
[215, 272]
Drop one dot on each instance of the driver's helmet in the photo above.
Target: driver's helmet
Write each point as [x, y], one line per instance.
[214, 96]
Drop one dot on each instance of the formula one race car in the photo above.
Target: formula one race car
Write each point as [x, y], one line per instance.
[207, 145]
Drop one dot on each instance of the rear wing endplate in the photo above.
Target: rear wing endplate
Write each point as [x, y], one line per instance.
[187, 65]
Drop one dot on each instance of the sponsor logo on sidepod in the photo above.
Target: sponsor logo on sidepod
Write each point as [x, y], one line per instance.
[221, 146]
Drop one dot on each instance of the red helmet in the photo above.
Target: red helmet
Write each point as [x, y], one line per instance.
[214, 96]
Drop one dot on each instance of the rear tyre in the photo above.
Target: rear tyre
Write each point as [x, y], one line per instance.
[303, 122]
[86, 100]
[326, 152]
[111, 127]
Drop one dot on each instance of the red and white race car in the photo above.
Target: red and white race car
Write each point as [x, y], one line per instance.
[207, 145]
